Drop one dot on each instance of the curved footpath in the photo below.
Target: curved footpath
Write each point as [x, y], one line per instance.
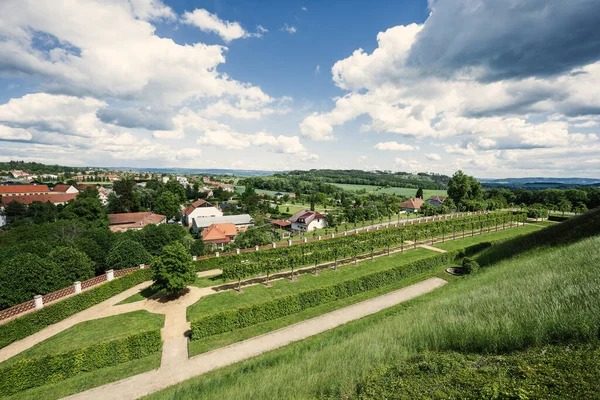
[176, 367]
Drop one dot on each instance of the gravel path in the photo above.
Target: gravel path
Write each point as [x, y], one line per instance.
[432, 248]
[176, 368]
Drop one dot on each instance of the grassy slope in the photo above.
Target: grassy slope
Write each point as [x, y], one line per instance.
[283, 287]
[541, 297]
[407, 192]
[91, 332]
[554, 372]
[486, 237]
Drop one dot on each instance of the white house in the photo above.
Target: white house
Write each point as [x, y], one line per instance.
[200, 209]
[62, 188]
[307, 221]
[183, 181]
[241, 222]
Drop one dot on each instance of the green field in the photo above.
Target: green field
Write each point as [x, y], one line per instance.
[91, 332]
[543, 296]
[406, 192]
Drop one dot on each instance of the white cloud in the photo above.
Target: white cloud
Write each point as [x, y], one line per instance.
[395, 146]
[289, 29]
[433, 156]
[208, 22]
[317, 69]
[149, 10]
[304, 9]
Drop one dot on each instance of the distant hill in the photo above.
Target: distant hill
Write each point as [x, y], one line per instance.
[539, 182]
[194, 171]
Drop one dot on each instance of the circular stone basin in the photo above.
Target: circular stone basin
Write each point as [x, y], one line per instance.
[458, 271]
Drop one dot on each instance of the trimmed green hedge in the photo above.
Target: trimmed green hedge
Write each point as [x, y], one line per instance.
[558, 218]
[231, 320]
[33, 372]
[31, 323]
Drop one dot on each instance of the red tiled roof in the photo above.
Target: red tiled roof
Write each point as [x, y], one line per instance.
[51, 197]
[136, 220]
[412, 203]
[5, 189]
[219, 233]
[441, 199]
[196, 204]
[280, 223]
[61, 188]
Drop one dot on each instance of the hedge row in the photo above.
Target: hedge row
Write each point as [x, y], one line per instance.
[31, 323]
[231, 320]
[558, 218]
[33, 372]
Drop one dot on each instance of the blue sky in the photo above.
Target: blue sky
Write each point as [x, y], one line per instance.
[494, 88]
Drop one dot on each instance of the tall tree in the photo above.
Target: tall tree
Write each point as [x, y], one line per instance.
[125, 198]
[173, 271]
[167, 204]
[463, 189]
[419, 193]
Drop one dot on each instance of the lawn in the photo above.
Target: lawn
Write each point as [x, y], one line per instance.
[486, 237]
[91, 332]
[538, 298]
[406, 192]
[283, 287]
[139, 296]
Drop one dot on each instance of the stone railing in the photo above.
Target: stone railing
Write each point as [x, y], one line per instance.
[40, 301]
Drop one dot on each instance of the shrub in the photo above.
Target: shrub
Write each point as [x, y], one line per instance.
[197, 247]
[558, 218]
[33, 372]
[469, 265]
[126, 254]
[231, 320]
[31, 323]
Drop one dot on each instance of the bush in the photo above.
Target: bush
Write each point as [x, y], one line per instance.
[126, 254]
[29, 324]
[469, 265]
[537, 211]
[231, 320]
[197, 247]
[33, 372]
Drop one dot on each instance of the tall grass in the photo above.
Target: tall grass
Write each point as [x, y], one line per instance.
[544, 297]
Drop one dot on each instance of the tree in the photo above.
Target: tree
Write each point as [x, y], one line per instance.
[125, 198]
[463, 188]
[25, 276]
[167, 204]
[564, 206]
[126, 254]
[14, 210]
[419, 193]
[173, 271]
[87, 206]
[426, 209]
[155, 237]
[177, 189]
[254, 237]
[74, 265]
[197, 247]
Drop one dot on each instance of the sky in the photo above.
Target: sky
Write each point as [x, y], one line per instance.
[499, 88]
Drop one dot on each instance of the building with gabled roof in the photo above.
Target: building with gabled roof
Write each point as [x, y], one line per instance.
[219, 234]
[134, 221]
[306, 220]
[412, 205]
[23, 190]
[54, 198]
[241, 222]
[63, 188]
[436, 200]
[200, 209]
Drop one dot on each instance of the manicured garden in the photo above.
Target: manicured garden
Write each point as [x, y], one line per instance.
[546, 295]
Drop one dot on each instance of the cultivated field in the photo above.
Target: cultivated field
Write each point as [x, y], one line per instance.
[406, 192]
